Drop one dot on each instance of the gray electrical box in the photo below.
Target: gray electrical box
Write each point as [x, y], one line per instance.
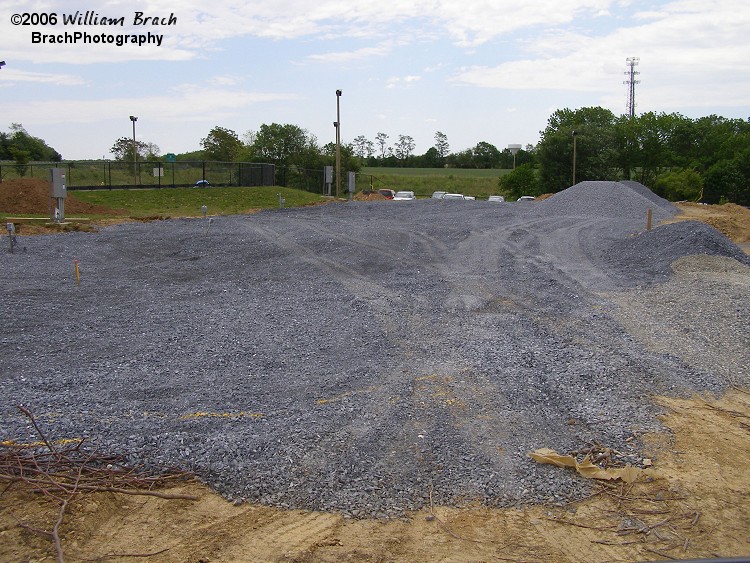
[352, 182]
[328, 174]
[57, 183]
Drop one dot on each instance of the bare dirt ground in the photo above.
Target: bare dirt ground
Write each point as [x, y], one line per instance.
[696, 503]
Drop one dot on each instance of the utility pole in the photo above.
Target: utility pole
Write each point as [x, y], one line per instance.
[338, 143]
[135, 154]
[575, 136]
[631, 82]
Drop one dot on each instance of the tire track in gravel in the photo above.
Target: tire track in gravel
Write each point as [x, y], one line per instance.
[469, 411]
[440, 424]
[388, 398]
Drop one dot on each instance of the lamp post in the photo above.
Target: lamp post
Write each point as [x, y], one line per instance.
[338, 142]
[135, 153]
[575, 135]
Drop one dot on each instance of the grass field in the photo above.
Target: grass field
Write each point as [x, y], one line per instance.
[179, 202]
[424, 181]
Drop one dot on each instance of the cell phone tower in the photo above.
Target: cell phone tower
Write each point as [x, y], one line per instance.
[632, 62]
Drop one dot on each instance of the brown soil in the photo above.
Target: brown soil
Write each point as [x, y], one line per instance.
[731, 219]
[368, 196]
[695, 505]
[27, 196]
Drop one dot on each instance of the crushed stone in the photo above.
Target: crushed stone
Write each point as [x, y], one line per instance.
[367, 357]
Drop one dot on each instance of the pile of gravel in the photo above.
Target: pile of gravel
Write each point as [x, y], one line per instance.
[648, 257]
[621, 200]
[359, 357]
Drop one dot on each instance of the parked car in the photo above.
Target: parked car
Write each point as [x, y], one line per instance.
[453, 196]
[386, 193]
[526, 198]
[438, 195]
[202, 183]
[404, 196]
[496, 198]
[470, 197]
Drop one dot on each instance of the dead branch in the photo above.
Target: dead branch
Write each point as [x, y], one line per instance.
[61, 473]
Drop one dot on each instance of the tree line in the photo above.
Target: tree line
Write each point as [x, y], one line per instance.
[677, 157]
[20, 147]
[291, 145]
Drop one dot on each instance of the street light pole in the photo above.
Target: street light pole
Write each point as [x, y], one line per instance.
[338, 143]
[135, 153]
[575, 135]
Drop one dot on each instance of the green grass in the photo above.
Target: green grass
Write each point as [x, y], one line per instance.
[424, 181]
[187, 202]
[440, 172]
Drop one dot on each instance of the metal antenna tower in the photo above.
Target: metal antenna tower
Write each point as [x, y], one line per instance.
[631, 82]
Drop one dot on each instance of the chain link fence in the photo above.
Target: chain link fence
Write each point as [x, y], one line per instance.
[108, 174]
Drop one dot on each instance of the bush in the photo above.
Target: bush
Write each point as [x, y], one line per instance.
[679, 185]
[524, 180]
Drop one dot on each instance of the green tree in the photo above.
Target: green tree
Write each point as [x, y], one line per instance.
[221, 144]
[382, 141]
[485, 155]
[524, 180]
[679, 185]
[350, 162]
[441, 144]
[20, 144]
[595, 147]
[363, 147]
[122, 149]
[404, 148]
[22, 158]
[431, 159]
[729, 180]
[461, 159]
[283, 144]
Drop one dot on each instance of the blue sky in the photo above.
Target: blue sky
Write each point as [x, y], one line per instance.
[476, 70]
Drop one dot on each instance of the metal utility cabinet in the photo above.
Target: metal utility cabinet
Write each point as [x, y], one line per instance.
[58, 192]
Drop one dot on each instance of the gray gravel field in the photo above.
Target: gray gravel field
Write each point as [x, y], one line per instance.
[359, 357]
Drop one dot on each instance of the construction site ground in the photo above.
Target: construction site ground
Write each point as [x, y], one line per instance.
[695, 503]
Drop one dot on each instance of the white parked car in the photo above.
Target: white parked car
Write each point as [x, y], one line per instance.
[453, 196]
[496, 198]
[470, 197]
[438, 195]
[404, 196]
[526, 198]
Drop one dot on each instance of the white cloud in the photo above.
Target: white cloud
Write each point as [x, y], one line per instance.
[693, 54]
[200, 28]
[705, 43]
[474, 23]
[401, 81]
[341, 57]
[11, 76]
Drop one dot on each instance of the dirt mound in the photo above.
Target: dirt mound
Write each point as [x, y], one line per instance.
[368, 196]
[27, 196]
